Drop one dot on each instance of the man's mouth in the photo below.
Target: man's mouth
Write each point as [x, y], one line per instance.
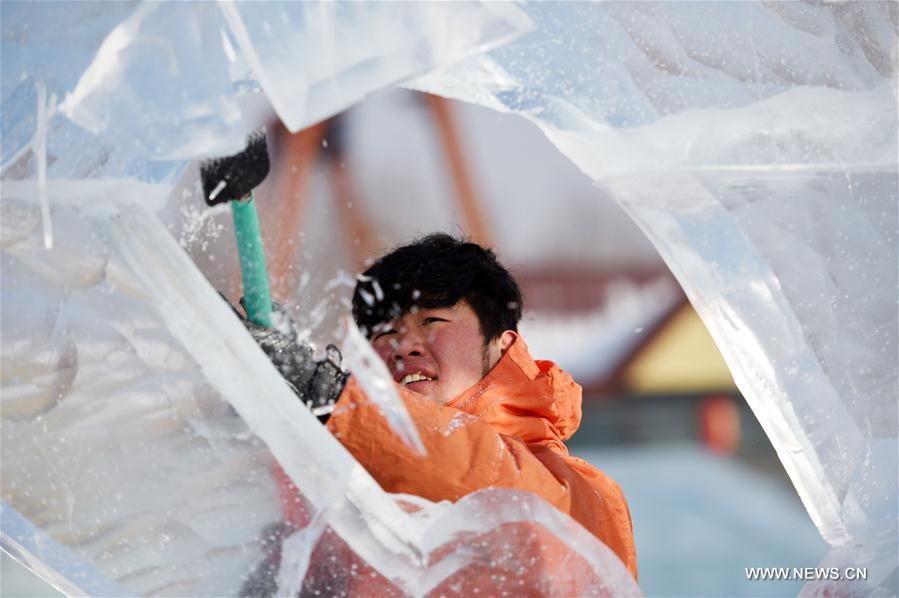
[414, 377]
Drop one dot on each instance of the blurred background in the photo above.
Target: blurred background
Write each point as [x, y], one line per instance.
[662, 415]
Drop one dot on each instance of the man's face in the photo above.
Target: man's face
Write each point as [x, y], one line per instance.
[437, 352]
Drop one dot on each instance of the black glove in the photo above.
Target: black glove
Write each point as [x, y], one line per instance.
[263, 581]
[318, 383]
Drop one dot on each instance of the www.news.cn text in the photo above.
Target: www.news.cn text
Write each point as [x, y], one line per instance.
[806, 573]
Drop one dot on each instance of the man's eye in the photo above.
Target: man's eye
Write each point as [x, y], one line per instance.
[384, 333]
[433, 319]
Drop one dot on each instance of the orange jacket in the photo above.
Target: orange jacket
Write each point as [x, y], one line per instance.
[506, 431]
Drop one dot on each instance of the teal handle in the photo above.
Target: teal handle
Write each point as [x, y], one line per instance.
[257, 299]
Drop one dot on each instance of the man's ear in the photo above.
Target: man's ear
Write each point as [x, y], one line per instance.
[506, 339]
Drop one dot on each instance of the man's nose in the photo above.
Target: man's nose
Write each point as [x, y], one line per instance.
[410, 343]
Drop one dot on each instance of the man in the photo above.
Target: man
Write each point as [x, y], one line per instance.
[443, 315]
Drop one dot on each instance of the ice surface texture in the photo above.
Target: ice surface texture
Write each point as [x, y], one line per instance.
[117, 443]
[113, 441]
[150, 84]
[754, 143]
[117, 354]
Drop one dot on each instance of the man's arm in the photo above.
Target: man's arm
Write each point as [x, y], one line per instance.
[465, 454]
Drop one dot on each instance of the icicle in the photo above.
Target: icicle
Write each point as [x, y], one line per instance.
[372, 375]
[45, 111]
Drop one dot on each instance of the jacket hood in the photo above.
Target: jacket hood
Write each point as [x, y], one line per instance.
[535, 400]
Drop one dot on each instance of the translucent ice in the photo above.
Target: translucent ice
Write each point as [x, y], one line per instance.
[141, 426]
[113, 442]
[149, 84]
[315, 59]
[754, 143]
[378, 384]
[161, 45]
[117, 354]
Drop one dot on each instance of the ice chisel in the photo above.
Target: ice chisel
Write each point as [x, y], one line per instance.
[233, 179]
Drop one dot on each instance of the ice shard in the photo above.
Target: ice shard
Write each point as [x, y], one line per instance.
[754, 143]
[315, 59]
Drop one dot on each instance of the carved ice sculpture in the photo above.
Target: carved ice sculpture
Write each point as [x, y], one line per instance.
[754, 143]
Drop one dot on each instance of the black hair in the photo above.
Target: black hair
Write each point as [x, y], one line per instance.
[438, 271]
